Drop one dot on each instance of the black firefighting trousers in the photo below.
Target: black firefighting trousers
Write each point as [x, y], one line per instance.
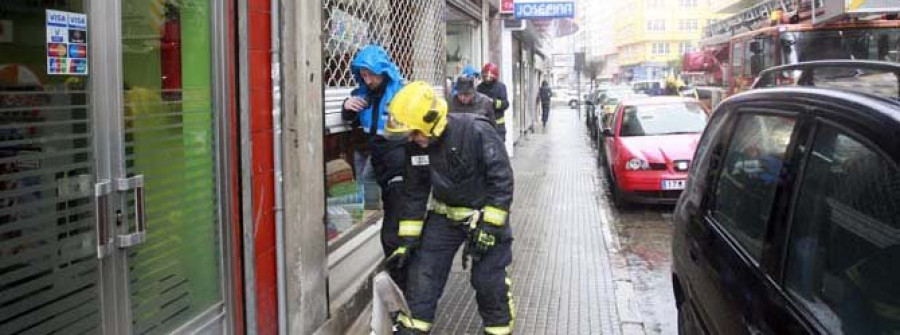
[431, 265]
[388, 163]
[392, 202]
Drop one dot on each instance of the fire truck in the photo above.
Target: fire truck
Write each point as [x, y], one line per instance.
[779, 32]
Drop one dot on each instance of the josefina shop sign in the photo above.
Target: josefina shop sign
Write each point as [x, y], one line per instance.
[544, 10]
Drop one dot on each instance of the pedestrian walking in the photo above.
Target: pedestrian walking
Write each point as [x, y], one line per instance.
[466, 100]
[492, 87]
[461, 162]
[544, 95]
[378, 81]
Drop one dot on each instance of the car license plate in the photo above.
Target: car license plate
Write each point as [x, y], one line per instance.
[673, 184]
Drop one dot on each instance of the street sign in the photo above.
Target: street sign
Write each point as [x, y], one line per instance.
[506, 6]
[544, 10]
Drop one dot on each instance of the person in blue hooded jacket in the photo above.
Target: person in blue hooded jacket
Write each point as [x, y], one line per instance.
[468, 72]
[379, 79]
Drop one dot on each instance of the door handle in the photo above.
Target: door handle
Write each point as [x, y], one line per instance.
[101, 208]
[137, 237]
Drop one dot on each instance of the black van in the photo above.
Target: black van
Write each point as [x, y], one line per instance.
[790, 221]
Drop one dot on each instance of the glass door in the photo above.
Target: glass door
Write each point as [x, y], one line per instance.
[49, 266]
[109, 209]
[174, 269]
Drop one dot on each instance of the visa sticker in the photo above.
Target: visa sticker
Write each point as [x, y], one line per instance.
[421, 160]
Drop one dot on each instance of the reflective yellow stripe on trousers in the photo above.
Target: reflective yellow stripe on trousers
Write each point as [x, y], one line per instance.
[498, 330]
[413, 323]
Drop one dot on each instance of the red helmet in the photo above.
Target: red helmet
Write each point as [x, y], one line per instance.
[490, 68]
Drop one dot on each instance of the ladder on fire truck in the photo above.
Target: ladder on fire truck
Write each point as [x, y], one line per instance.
[749, 17]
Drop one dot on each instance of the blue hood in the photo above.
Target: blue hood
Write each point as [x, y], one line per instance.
[470, 71]
[376, 59]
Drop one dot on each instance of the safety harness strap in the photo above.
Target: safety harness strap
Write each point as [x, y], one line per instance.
[452, 213]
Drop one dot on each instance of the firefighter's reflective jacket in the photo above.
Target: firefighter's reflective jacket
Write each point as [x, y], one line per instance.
[466, 167]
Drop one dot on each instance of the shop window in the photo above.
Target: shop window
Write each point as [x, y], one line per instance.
[414, 39]
[353, 198]
[845, 240]
[460, 51]
[750, 176]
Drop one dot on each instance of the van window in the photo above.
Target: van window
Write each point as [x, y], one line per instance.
[844, 248]
[749, 178]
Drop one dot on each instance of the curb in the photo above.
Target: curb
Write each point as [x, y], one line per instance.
[630, 320]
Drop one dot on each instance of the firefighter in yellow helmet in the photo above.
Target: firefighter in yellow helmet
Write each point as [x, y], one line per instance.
[461, 161]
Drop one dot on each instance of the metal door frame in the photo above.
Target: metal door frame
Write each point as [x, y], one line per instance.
[106, 99]
[105, 20]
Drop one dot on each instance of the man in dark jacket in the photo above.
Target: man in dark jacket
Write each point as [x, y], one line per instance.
[466, 100]
[544, 95]
[379, 80]
[460, 160]
[494, 89]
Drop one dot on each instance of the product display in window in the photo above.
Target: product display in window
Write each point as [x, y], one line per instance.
[345, 197]
[353, 198]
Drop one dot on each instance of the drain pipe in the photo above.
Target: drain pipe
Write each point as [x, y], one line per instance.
[278, 170]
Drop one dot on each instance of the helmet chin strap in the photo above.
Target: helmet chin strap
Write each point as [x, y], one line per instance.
[433, 109]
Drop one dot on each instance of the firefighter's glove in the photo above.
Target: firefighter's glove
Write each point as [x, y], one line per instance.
[487, 233]
[484, 238]
[410, 233]
[400, 258]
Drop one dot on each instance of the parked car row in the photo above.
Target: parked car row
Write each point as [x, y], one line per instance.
[787, 219]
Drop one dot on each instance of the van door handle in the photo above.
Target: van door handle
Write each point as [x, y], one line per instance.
[135, 183]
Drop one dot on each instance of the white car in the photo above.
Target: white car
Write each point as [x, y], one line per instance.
[567, 97]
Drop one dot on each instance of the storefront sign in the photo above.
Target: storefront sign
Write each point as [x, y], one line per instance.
[67, 48]
[544, 10]
[506, 6]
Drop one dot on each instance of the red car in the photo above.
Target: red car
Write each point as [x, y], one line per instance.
[649, 146]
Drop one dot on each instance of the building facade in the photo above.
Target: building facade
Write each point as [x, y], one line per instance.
[655, 34]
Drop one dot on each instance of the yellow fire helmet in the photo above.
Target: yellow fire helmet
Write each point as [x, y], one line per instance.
[416, 107]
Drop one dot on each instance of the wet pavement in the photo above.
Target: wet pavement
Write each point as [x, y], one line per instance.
[580, 266]
[644, 236]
